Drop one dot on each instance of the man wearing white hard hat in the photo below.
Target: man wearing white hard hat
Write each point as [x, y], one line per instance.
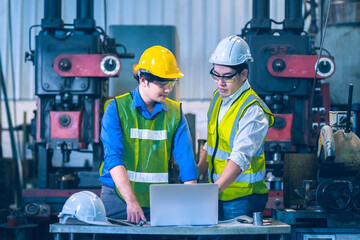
[238, 122]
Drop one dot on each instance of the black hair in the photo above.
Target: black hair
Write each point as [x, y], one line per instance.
[239, 68]
[148, 76]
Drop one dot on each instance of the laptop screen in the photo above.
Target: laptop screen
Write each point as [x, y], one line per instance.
[183, 204]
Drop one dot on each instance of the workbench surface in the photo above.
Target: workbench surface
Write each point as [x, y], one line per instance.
[235, 228]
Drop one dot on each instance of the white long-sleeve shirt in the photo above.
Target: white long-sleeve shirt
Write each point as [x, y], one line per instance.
[252, 129]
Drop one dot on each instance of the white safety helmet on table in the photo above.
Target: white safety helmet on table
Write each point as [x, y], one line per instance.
[85, 206]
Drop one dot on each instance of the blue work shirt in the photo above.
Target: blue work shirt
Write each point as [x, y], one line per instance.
[113, 140]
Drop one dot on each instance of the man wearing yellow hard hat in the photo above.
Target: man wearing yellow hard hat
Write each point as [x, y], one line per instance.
[140, 131]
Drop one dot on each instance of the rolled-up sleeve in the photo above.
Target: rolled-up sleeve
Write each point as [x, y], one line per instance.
[112, 138]
[248, 141]
[183, 152]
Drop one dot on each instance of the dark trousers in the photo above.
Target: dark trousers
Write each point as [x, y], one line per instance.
[242, 206]
[238, 207]
[116, 208]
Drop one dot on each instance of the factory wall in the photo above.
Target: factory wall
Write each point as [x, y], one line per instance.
[200, 24]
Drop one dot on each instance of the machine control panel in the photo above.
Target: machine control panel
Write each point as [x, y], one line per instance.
[110, 65]
[304, 66]
[87, 65]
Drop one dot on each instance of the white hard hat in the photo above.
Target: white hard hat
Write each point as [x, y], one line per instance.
[85, 206]
[231, 51]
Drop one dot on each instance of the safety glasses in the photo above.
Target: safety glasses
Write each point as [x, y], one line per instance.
[160, 82]
[165, 84]
[226, 78]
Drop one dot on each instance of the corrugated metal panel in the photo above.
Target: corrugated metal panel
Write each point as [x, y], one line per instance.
[23, 15]
[201, 24]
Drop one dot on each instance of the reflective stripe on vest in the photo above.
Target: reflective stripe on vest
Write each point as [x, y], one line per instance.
[246, 177]
[148, 134]
[219, 153]
[148, 177]
[225, 155]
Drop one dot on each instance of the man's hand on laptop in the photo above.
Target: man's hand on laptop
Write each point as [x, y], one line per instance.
[134, 212]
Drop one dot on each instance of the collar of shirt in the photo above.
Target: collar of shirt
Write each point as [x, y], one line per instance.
[230, 99]
[138, 103]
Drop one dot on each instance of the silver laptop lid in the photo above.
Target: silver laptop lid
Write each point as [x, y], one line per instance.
[183, 204]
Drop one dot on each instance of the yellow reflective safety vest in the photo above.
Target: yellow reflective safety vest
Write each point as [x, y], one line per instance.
[147, 145]
[220, 139]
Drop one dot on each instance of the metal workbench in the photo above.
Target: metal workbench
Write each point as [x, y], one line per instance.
[274, 228]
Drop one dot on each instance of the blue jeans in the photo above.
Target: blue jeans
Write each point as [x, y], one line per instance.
[242, 206]
[238, 207]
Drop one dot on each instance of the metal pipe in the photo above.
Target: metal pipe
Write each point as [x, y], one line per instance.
[52, 14]
[261, 9]
[260, 14]
[293, 15]
[293, 9]
[18, 166]
[348, 114]
[85, 9]
[84, 15]
[24, 129]
[52, 9]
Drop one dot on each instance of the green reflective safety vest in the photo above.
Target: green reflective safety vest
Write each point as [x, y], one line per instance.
[147, 145]
[220, 139]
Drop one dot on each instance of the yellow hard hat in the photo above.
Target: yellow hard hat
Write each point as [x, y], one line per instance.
[160, 62]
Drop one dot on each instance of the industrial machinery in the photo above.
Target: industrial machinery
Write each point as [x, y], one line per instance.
[336, 187]
[312, 153]
[73, 63]
[330, 197]
[286, 74]
[72, 66]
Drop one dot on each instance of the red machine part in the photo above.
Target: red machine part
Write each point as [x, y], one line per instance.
[281, 130]
[87, 65]
[275, 201]
[12, 220]
[47, 196]
[65, 124]
[37, 211]
[53, 193]
[300, 66]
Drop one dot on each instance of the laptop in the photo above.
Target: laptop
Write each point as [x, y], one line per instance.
[183, 204]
